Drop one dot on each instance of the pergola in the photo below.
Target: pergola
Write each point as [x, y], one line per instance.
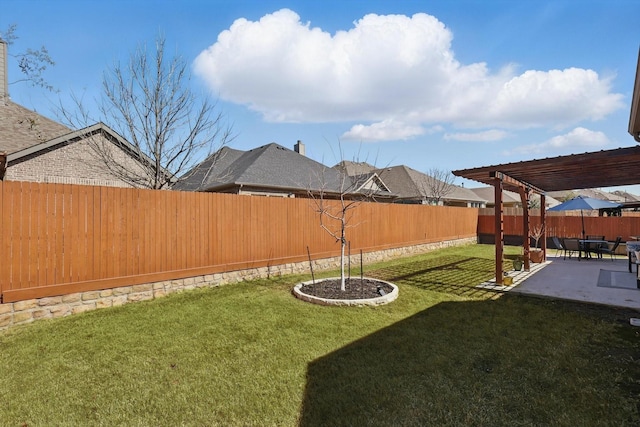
[608, 168]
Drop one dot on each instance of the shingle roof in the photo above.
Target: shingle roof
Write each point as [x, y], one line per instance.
[21, 128]
[355, 168]
[269, 166]
[510, 197]
[408, 183]
[488, 194]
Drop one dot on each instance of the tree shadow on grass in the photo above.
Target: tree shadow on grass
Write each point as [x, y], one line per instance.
[456, 275]
[509, 361]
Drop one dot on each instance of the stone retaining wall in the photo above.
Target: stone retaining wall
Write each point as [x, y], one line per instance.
[21, 312]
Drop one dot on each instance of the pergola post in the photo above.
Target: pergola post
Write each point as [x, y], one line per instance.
[543, 221]
[499, 228]
[526, 247]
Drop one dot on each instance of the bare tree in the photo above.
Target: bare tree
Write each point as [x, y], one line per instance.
[32, 63]
[338, 196]
[534, 203]
[438, 183]
[335, 215]
[150, 104]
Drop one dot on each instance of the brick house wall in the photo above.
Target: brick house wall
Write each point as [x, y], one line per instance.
[71, 163]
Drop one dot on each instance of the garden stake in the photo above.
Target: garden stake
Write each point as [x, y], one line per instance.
[313, 279]
[361, 270]
[349, 258]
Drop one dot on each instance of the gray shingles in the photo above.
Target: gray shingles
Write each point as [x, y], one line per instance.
[21, 128]
[410, 184]
[271, 166]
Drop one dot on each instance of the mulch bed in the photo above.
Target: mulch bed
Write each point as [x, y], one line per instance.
[354, 289]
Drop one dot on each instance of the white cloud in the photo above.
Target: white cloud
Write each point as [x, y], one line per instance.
[579, 139]
[385, 67]
[387, 130]
[488, 135]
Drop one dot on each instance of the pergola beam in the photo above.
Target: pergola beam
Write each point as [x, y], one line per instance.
[515, 182]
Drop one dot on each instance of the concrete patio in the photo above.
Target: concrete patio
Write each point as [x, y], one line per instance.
[576, 280]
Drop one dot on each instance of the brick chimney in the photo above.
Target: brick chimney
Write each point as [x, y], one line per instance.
[299, 148]
[4, 84]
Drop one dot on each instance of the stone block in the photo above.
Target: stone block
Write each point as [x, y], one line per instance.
[41, 314]
[25, 305]
[104, 303]
[60, 310]
[71, 298]
[6, 308]
[105, 293]
[140, 296]
[143, 287]
[125, 290]
[22, 317]
[5, 320]
[90, 295]
[48, 301]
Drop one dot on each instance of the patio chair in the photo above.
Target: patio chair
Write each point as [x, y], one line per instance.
[610, 250]
[571, 246]
[558, 244]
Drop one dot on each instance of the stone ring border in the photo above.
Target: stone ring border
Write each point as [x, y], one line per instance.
[383, 299]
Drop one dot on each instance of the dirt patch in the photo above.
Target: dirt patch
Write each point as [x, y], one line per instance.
[355, 288]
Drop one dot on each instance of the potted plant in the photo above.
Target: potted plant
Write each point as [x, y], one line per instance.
[517, 263]
[536, 232]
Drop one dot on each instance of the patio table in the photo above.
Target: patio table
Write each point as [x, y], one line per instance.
[584, 245]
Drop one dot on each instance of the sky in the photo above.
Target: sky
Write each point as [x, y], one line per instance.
[441, 84]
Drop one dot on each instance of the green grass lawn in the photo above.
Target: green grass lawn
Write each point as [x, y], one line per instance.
[444, 353]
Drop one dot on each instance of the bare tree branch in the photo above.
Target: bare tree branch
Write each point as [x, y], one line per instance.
[32, 63]
[148, 101]
[437, 184]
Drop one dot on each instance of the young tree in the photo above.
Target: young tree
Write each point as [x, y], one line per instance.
[32, 63]
[338, 195]
[148, 101]
[334, 214]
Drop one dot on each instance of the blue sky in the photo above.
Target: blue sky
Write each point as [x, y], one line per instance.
[429, 84]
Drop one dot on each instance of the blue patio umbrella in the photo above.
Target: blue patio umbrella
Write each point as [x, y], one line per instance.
[582, 203]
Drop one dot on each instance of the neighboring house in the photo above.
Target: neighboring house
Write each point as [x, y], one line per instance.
[626, 196]
[588, 192]
[355, 168]
[510, 199]
[273, 170]
[411, 186]
[35, 148]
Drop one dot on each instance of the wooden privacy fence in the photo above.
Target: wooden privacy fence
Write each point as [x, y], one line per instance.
[58, 239]
[561, 225]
